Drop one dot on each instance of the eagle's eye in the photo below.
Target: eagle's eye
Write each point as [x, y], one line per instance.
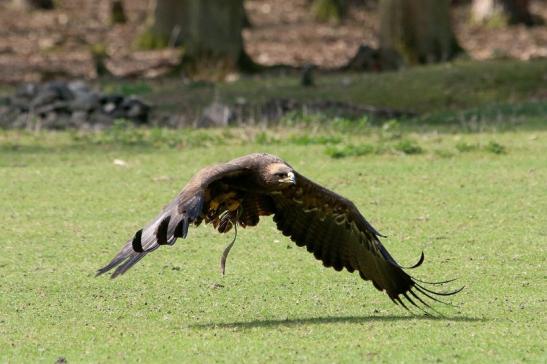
[281, 175]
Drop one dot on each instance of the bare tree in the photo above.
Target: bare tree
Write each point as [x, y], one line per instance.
[416, 31]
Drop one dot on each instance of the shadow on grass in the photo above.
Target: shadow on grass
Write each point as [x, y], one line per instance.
[329, 320]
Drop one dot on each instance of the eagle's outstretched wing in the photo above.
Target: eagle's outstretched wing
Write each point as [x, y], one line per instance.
[331, 227]
[173, 221]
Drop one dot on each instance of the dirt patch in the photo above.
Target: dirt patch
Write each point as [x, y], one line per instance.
[41, 45]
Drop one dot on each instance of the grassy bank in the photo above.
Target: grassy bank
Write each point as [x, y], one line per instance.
[431, 89]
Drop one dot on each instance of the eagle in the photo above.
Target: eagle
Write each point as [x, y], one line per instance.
[239, 192]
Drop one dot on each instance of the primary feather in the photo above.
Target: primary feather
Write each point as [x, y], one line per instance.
[327, 224]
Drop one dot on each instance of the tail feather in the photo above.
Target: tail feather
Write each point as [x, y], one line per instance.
[124, 260]
[170, 224]
[126, 252]
[128, 263]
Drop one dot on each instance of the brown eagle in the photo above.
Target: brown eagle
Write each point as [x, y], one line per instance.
[242, 190]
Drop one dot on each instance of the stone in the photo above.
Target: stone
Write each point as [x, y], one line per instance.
[215, 115]
[85, 102]
[135, 109]
[61, 105]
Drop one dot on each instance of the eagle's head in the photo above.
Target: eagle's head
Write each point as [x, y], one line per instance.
[278, 175]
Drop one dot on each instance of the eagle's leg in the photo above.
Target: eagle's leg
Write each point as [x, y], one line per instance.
[229, 246]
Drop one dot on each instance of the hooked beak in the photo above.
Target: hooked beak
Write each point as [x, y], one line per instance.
[289, 179]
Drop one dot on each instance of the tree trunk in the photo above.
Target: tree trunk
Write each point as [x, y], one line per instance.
[33, 4]
[329, 10]
[246, 21]
[416, 31]
[208, 29]
[502, 11]
[168, 20]
[117, 12]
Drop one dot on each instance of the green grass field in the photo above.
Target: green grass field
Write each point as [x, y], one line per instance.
[476, 203]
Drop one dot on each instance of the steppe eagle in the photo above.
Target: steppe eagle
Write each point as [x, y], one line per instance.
[240, 191]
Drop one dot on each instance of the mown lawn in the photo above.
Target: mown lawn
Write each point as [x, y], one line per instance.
[476, 203]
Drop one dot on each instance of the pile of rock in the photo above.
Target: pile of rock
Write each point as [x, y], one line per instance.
[61, 105]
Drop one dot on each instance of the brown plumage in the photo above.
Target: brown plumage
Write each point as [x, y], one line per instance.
[327, 224]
